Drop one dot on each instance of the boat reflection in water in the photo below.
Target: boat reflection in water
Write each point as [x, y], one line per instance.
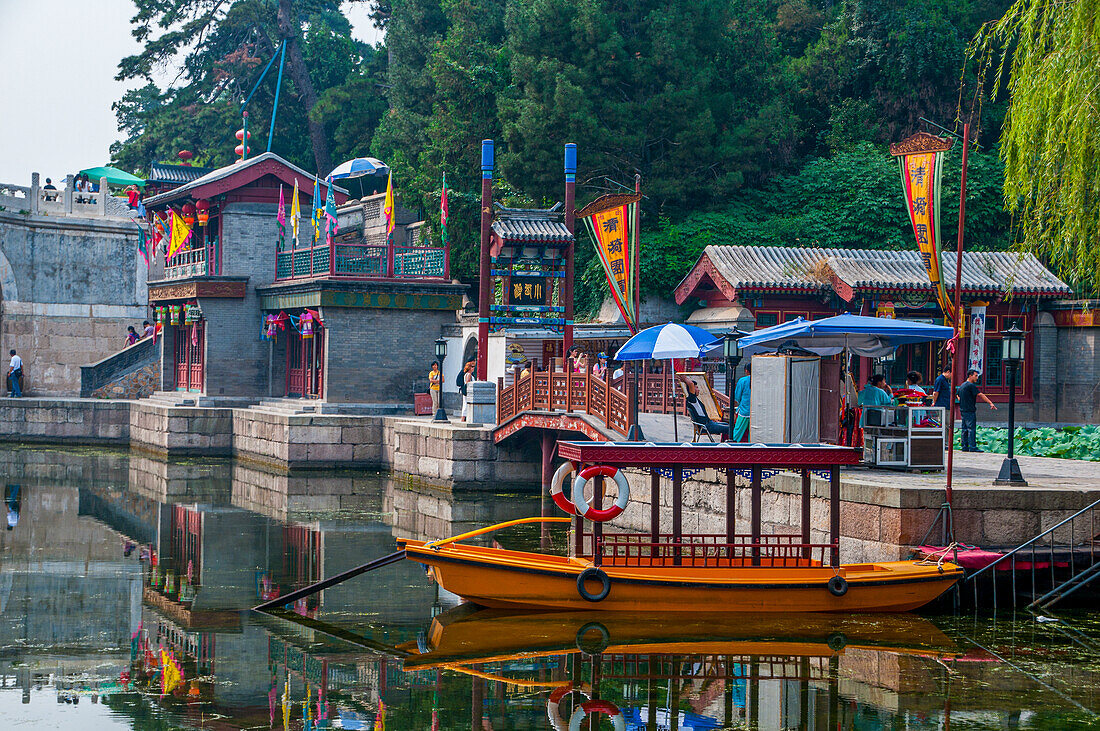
[759, 670]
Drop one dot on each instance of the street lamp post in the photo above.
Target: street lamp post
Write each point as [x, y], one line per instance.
[440, 355]
[1012, 344]
[731, 349]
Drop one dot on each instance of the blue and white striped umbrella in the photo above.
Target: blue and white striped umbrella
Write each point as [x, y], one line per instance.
[667, 341]
[358, 167]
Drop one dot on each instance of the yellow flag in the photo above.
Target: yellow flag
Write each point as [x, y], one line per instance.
[180, 233]
[295, 213]
[390, 217]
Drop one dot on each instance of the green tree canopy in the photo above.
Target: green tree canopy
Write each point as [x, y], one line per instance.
[1050, 55]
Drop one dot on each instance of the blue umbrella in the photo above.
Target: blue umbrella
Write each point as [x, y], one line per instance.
[358, 167]
[867, 336]
[668, 341]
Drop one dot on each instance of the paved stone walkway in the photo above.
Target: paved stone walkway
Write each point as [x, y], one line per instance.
[971, 470]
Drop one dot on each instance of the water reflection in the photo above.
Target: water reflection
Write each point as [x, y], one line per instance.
[125, 584]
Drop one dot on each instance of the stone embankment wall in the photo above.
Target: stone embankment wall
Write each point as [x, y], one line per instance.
[445, 453]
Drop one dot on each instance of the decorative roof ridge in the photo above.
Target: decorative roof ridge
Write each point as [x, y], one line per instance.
[552, 213]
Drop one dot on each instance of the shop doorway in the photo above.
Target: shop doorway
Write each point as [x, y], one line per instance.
[190, 356]
[305, 364]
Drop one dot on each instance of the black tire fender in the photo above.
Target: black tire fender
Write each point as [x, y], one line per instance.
[593, 573]
[838, 586]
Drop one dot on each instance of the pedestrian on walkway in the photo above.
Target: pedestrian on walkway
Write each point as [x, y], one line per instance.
[131, 335]
[147, 329]
[435, 378]
[466, 377]
[969, 393]
[742, 396]
[15, 375]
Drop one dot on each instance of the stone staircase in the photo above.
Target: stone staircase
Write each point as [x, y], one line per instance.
[129, 373]
[314, 406]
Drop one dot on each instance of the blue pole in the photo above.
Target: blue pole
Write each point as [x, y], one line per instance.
[275, 106]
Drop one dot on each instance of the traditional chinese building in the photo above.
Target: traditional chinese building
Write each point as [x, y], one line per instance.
[250, 314]
[766, 285]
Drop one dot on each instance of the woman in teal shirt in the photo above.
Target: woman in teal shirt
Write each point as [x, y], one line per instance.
[874, 394]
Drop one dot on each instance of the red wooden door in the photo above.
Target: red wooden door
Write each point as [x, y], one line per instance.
[305, 364]
[196, 352]
[182, 371]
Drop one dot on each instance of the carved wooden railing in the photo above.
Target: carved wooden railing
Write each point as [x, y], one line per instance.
[581, 393]
[585, 393]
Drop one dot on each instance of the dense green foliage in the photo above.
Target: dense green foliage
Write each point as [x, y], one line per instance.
[759, 122]
[1071, 442]
[1052, 173]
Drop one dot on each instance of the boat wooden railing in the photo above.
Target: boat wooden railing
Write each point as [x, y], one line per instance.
[705, 550]
[567, 392]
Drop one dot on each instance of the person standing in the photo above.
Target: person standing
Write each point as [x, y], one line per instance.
[467, 378]
[742, 395]
[15, 375]
[435, 378]
[969, 393]
[941, 389]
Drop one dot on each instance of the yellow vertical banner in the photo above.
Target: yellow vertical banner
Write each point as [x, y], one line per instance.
[921, 158]
[610, 222]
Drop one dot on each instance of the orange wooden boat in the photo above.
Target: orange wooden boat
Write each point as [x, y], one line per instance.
[679, 572]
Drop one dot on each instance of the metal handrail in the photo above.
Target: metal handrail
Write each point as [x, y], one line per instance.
[1030, 541]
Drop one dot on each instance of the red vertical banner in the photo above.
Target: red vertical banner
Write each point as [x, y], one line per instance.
[610, 220]
[921, 158]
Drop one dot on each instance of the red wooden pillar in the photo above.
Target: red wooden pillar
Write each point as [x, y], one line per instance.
[754, 518]
[484, 278]
[731, 508]
[834, 515]
[677, 510]
[654, 509]
[805, 513]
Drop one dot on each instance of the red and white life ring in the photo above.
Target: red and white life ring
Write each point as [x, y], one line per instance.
[609, 709]
[556, 484]
[581, 505]
[556, 721]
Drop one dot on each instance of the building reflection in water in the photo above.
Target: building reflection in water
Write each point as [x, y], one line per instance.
[119, 561]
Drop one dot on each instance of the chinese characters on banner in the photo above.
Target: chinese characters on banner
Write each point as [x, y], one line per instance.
[921, 166]
[977, 339]
[610, 221]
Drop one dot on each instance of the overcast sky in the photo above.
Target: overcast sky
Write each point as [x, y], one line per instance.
[58, 60]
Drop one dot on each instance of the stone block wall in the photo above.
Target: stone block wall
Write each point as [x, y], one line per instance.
[399, 345]
[306, 440]
[134, 385]
[70, 286]
[458, 453]
[181, 430]
[65, 420]
[236, 358]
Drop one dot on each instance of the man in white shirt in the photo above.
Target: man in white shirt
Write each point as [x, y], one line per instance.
[15, 375]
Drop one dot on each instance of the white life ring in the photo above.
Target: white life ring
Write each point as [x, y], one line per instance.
[618, 720]
[557, 482]
[556, 721]
[581, 505]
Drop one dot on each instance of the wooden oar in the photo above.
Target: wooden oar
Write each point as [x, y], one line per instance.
[332, 581]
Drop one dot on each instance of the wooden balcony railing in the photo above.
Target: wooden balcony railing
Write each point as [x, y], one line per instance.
[361, 261]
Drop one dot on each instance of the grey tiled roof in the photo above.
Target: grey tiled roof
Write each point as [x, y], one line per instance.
[160, 172]
[223, 172]
[761, 267]
[531, 224]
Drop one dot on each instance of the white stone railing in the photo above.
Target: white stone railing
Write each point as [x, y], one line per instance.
[66, 201]
[188, 263]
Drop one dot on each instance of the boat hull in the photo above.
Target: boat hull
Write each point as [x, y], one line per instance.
[498, 578]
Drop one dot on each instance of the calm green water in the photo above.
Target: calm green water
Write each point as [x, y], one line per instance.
[85, 619]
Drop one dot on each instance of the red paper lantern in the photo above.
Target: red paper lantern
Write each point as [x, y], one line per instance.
[188, 212]
[239, 149]
[240, 135]
[202, 207]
